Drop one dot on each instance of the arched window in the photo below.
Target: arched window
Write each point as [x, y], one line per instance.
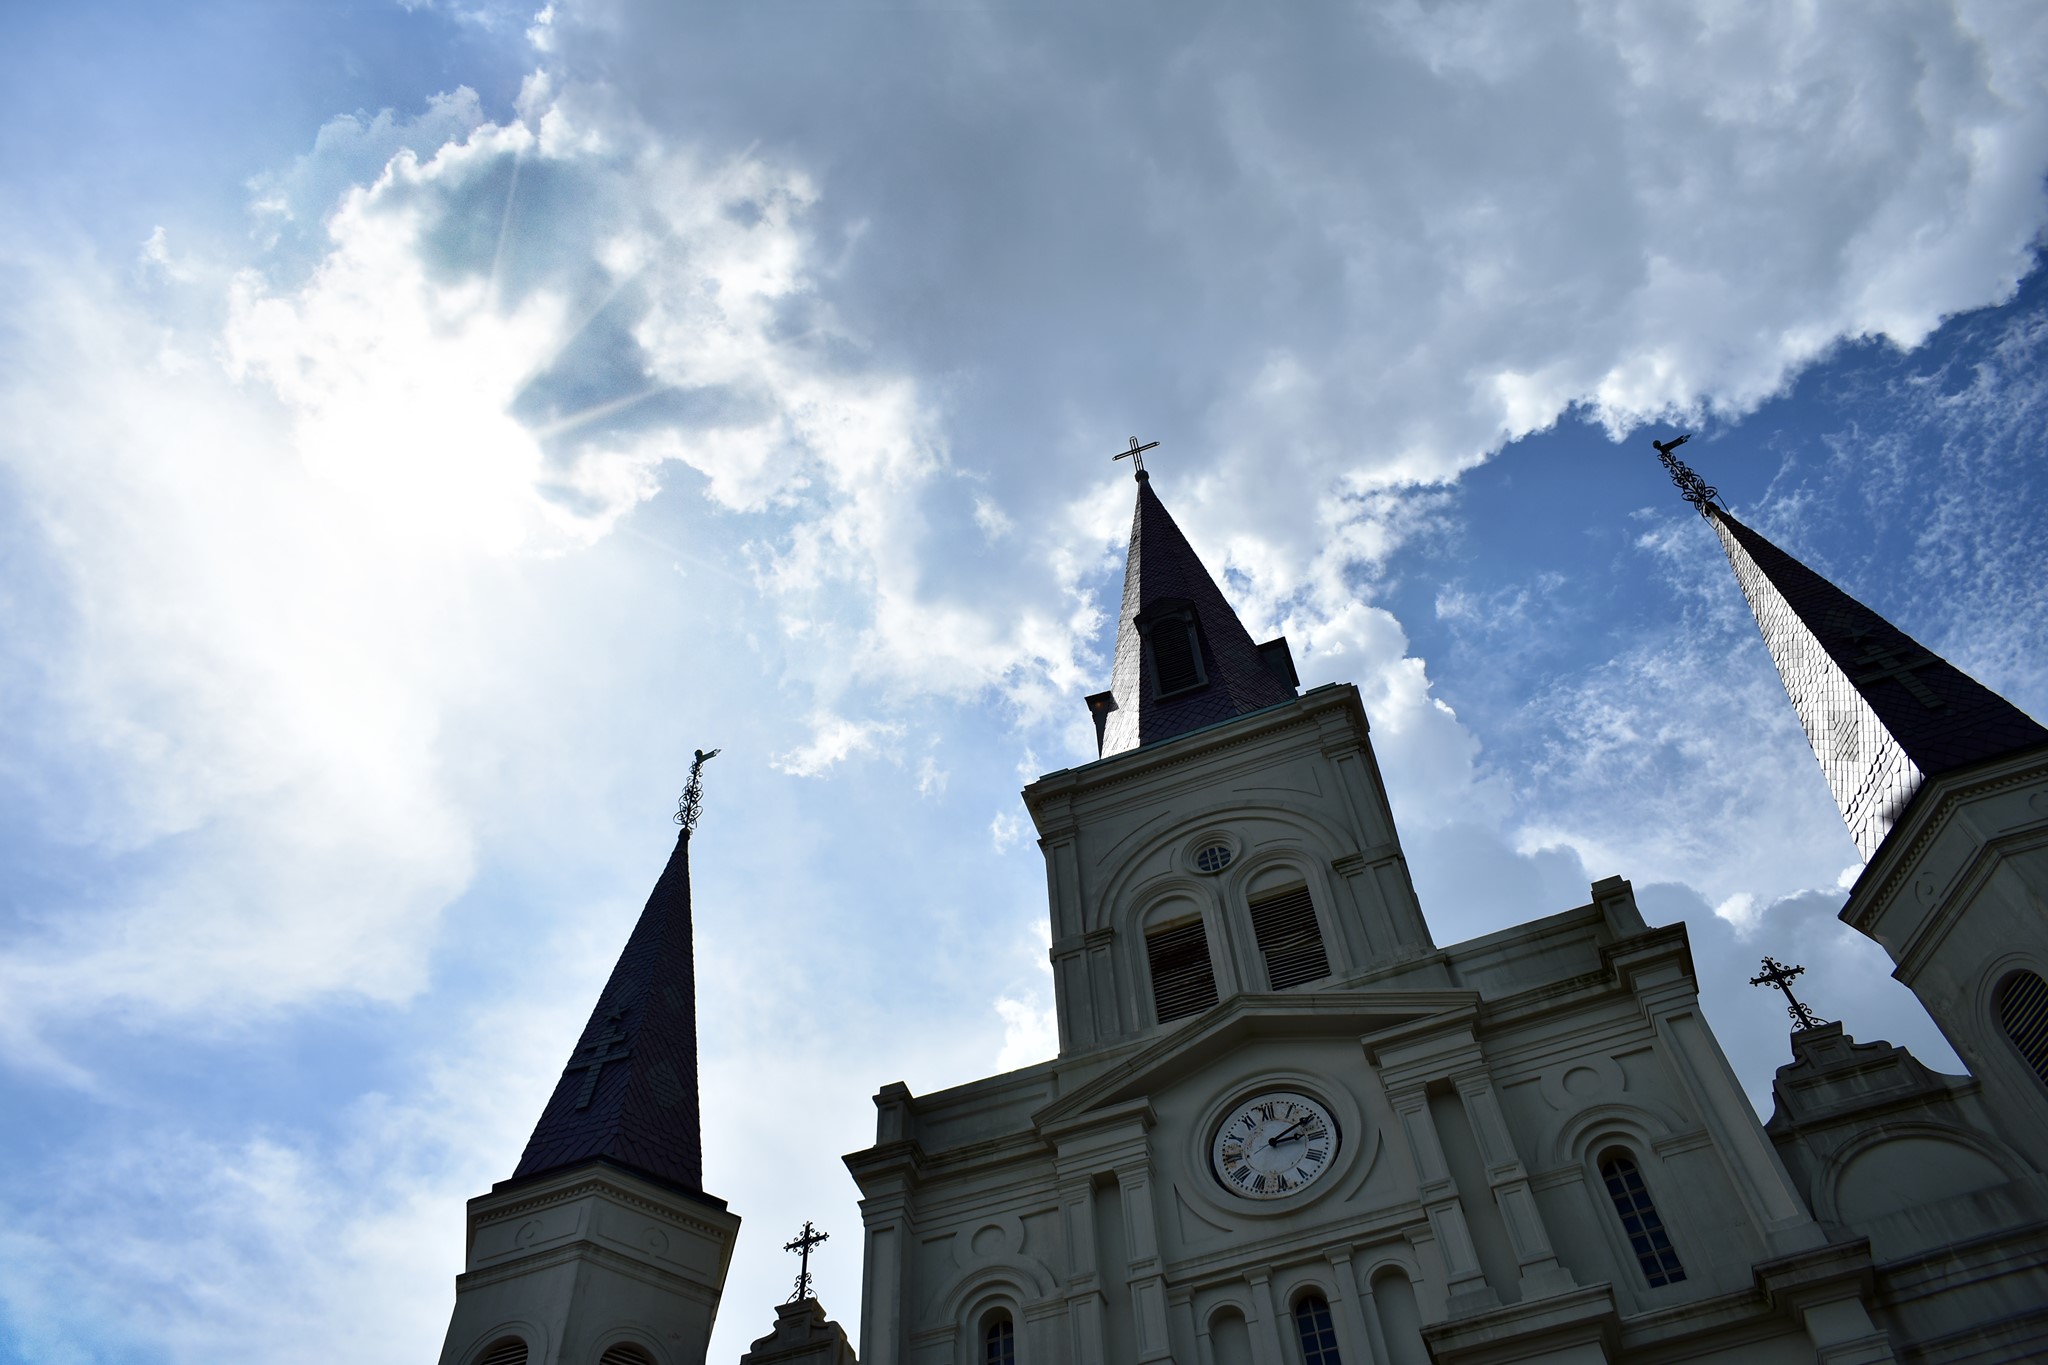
[999, 1341]
[1183, 981]
[1289, 939]
[1312, 1325]
[2023, 1014]
[624, 1354]
[1173, 647]
[504, 1351]
[1639, 1219]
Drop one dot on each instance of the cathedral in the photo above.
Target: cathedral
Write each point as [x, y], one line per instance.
[1286, 1127]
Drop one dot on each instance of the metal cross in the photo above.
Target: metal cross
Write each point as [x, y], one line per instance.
[1883, 663]
[1136, 455]
[805, 1240]
[601, 1051]
[1776, 973]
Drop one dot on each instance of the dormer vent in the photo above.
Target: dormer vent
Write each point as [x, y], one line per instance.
[1174, 649]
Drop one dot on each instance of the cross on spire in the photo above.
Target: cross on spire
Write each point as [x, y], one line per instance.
[1776, 973]
[802, 1245]
[1691, 486]
[690, 806]
[1136, 455]
[602, 1050]
[1878, 662]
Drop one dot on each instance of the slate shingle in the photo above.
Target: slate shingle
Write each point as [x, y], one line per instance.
[1162, 566]
[1837, 657]
[639, 1109]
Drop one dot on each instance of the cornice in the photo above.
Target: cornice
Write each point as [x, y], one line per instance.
[603, 1183]
[1929, 813]
[1303, 712]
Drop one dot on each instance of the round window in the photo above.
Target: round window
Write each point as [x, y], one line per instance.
[1213, 857]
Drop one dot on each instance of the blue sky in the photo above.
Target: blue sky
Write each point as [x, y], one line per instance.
[425, 424]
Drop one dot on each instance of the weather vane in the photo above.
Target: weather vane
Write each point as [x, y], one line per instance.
[805, 1240]
[1136, 455]
[1776, 973]
[1691, 486]
[691, 805]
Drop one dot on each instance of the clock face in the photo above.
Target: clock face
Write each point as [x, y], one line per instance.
[1274, 1145]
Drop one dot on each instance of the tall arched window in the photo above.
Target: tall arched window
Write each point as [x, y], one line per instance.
[504, 1351]
[2023, 1014]
[1289, 938]
[1312, 1325]
[1183, 980]
[999, 1341]
[1639, 1219]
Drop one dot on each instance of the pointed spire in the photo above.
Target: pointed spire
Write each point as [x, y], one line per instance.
[1883, 714]
[1183, 659]
[629, 1092]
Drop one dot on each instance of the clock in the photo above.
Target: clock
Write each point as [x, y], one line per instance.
[1274, 1145]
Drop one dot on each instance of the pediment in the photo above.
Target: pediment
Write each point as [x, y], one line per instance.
[1242, 1019]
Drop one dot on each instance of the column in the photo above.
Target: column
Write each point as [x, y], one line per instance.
[1540, 1273]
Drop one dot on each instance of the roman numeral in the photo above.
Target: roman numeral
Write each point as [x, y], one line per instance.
[1241, 1174]
[1316, 1153]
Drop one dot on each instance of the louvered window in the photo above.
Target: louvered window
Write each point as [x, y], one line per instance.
[509, 1351]
[1639, 1220]
[1292, 942]
[2023, 1013]
[1183, 982]
[1318, 1336]
[999, 1342]
[1174, 647]
[623, 1354]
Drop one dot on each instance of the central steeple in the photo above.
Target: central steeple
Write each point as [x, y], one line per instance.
[1183, 659]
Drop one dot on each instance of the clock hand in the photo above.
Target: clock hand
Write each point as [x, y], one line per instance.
[1285, 1134]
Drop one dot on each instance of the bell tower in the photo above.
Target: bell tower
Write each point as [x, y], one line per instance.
[1943, 785]
[603, 1246]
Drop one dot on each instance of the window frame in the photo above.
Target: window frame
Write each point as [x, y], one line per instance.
[1617, 1223]
[1332, 1354]
[1172, 612]
[2007, 982]
[1180, 926]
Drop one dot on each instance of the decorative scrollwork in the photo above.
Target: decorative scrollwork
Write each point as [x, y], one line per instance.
[1776, 973]
[1691, 486]
[690, 806]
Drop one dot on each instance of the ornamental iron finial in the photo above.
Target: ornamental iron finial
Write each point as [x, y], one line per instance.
[1691, 486]
[1776, 973]
[691, 804]
[802, 1245]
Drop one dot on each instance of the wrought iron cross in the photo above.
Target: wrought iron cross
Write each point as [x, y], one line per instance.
[1136, 455]
[1776, 973]
[805, 1240]
[690, 806]
[601, 1051]
[1691, 486]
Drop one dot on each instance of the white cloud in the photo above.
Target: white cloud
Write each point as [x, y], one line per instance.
[1005, 830]
[834, 739]
[1031, 1033]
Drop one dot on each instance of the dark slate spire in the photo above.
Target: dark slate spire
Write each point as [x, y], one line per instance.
[629, 1094]
[1882, 713]
[1183, 659]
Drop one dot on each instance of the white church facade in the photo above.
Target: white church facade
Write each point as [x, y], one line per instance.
[1285, 1127]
